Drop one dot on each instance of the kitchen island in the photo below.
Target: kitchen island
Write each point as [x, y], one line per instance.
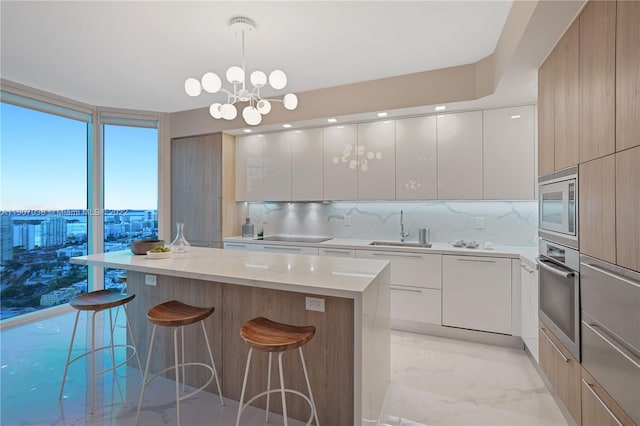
[348, 359]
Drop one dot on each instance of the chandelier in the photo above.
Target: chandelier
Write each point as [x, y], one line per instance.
[257, 105]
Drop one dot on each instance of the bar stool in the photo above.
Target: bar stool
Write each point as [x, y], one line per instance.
[98, 301]
[177, 314]
[269, 336]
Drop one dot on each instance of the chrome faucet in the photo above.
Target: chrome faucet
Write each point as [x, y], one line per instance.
[402, 234]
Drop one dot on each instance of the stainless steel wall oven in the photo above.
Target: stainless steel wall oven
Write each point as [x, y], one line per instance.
[560, 293]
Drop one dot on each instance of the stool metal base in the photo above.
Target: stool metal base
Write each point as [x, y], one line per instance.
[176, 367]
[282, 390]
[93, 351]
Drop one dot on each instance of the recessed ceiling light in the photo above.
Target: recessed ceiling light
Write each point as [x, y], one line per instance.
[247, 130]
[340, 127]
[382, 114]
[261, 136]
[331, 120]
[515, 116]
[440, 108]
[287, 126]
[298, 131]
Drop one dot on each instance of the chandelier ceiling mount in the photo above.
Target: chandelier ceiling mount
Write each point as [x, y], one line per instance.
[236, 75]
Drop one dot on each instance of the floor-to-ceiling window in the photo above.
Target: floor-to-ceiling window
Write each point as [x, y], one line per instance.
[130, 187]
[43, 204]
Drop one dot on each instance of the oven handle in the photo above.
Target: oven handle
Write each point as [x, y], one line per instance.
[554, 345]
[560, 272]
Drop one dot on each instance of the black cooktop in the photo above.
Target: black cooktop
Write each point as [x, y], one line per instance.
[294, 239]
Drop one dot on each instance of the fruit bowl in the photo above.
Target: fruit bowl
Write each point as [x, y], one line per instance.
[158, 255]
[143, 246]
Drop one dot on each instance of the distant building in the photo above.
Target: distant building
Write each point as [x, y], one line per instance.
[6, 239]
[59, 296]
[72, 251]
[53, 231]
[151, 215]
[24, 235]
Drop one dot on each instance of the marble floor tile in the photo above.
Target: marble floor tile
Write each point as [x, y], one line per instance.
[438, 381]
[435, 381]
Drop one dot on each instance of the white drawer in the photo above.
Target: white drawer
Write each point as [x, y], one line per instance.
[336, 252]
[410, 269]
[242, 246]
[268, 248]
[416, 304]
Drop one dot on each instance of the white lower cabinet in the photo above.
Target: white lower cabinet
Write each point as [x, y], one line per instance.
[416, 282]
[529, 308]
[269, 248]
[336, 252]
[416, 304]
[242, 246]
[476, 293]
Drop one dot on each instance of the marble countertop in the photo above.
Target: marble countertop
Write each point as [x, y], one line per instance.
[329, 276]
[527, 254]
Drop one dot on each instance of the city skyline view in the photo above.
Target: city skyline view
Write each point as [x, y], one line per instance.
[45, 173]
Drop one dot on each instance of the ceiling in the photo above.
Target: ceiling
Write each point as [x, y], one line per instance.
[137, 54]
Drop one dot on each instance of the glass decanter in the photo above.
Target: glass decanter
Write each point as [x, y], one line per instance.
[180, 243]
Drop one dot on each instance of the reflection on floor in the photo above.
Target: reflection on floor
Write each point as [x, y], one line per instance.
[434, 381]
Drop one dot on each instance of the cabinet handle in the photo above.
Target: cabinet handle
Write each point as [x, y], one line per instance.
[398, 255]
[613, 416]
[531, 271]
[336, 251]
[554, 346]
[475, 260]
[236, 245]
[560, 272]
[282, 248]
[406, 289]
[611, 274]
[593, 327]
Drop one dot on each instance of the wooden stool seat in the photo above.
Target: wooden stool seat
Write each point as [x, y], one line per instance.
[269, 336]
[177, 314]
[100, 300]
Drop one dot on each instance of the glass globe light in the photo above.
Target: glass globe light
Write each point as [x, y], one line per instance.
[251, 115]
[211, 82]
[235, 74]
[258, 79]
[290, 101]
[192, 87]
[228, 111]
[278, 79]
[264, 106]
[214, 110]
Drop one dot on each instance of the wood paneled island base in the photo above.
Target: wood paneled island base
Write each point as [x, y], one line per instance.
[347, 359]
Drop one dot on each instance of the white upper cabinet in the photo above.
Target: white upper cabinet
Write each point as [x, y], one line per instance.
[276, 162]
[249, 151]
[416, 159]
[306, 165]
[341, 163]
[376, 160]
[460, 156]
[509, 153]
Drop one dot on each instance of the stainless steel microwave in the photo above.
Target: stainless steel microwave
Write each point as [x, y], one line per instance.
[558, 206]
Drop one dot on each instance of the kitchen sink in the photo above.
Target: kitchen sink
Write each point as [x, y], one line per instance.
[399, 244]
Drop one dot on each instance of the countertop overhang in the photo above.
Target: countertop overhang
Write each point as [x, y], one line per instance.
[340, 277]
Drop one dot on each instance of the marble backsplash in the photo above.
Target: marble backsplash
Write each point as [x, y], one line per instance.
[513, 223]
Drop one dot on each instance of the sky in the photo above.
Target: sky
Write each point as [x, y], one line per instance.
[43, 160]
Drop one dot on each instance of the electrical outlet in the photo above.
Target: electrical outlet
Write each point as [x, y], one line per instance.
[480, 222]
[150, 280]
[314, 304]
[347, 220]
